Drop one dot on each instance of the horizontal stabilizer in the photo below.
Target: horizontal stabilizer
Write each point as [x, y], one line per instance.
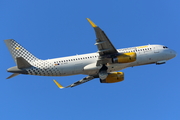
[22, 63]
[13, 75]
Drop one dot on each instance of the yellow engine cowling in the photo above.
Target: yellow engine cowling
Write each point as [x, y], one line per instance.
[125, 58]
[113, 77]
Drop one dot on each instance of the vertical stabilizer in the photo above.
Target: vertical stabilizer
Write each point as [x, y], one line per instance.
[17, 51]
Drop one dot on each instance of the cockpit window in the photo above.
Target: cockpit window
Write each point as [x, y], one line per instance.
[165, 47]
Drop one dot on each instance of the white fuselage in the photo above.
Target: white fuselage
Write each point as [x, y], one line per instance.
[86, 63]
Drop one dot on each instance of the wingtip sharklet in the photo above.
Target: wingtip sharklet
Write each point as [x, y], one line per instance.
[92, 23]
[59, 85]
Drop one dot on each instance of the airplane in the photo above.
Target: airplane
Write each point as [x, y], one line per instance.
[102, 64]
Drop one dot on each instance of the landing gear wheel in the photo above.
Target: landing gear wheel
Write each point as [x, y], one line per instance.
[103, 72]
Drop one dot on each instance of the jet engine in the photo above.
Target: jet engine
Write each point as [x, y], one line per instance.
[113, 77]
[125, 58]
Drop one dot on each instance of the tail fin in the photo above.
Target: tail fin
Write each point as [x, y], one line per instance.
[17, 51]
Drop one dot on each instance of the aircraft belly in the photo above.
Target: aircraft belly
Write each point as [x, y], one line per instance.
[111, 68]
[117, 67]
[71, 69]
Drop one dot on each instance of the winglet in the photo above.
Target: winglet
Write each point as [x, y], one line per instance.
[92, 24]
[59, 85]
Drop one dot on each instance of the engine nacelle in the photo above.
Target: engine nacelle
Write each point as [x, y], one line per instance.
[125, 58]
[113, 77]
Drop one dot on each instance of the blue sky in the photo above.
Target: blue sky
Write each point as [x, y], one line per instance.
[53, 28]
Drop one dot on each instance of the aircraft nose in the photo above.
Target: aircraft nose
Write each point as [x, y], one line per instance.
[173, 53]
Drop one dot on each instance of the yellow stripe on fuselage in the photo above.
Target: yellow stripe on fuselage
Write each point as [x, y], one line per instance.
[142, 47]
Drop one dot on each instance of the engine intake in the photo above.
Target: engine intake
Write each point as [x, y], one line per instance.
[113, 77]
[125, 58]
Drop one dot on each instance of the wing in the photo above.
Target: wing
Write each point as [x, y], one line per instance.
[104, 45]
[86, 79]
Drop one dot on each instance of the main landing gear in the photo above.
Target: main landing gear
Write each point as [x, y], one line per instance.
[103, 72]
